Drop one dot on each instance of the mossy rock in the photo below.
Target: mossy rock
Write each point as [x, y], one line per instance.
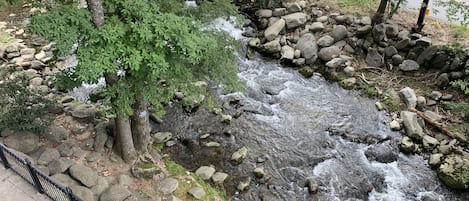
[145, 170]
[192, 102]
[306, 71]
[454, 172]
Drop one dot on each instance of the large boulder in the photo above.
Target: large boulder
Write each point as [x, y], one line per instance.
[22, 141]
[115, 193]
[308, 48]
[56, 134]
[295, 20]
[454, 171]
[409, 65]
[273, 30]
[329, 53]
[85, 175]
[408, 96]
[412, 126]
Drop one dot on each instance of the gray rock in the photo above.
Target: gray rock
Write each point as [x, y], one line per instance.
[397, 59]
[37, 81]
[313, 184]
[390, 51]
[408, 96]
[162, 137]
[435, 159]
[293, 7]
[197, 192]
[373, 58]
[273, 30]
[407, 145]
[254, 43]
[339, 32]
[144, 169]
[278, 12]
[66, 148]
[412, 126]
[47, 156]
[272, 46]
[101, 185]
[115, 193]
[392, 30]
[65, 180]
[457, 75]
[423, 42]
[167, 186]
[403, 34]
[265, 13]
[402, 44]
[308, 48]
[325, 41]
[328, 53]
[87, 144]
[94, 156]
[316, 27]
[421, 101]
[219, 177]
[85, 175]
[365, 20]
[287, 53]
[336, 63]
[259, 172]
[205, 172]
[395, 125]
[363, 31]
[56, 134]
[124, 180]
[83, 193]
[349, 71]
[436, 95]
[379, 33]
[442, 80]
[383, 153]
[244, 184]
[447, 97]
[22, 141]
[27, 51]
[84, 113]
[294, 20]
[446, 148]
[409, 65]
[429, 142]
[239, 155]
[427, 54]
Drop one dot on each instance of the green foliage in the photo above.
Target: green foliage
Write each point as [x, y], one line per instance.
[355, 3]
[457, 11]
[23, 108]
[267, 3]
[463, 175]
[158, 50]
[5, 37]
[367, 89]
[457, 107]
[5, 3]
[461, 84]
[174, 168]
[65, 80]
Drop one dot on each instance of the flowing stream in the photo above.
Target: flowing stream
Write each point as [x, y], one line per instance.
[310, 128]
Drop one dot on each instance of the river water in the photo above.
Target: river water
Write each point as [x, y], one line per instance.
[436, 10]
[310, 128]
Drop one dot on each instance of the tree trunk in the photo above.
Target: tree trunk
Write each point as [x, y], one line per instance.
[124, 138]
[141, 124]
[97, 11]
[378, 17]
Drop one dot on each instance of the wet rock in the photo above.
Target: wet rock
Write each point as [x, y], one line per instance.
[308, 47]
[205, 172]
[22, 141]
[395, 125]
[329, 53]
[339, 32]
[383, 153]
[294, 20]
[219, 177]
[273, 30]
[197, 192]
[435, 159]
[272, 47]
[326, 41]
[115, 193]
[451, 169]
[407, 145]
[167, 186]
[47, 156]
[409, 65]
[287, 53]
[85, 175]
[259, 172]
[412, 126]
[408, 96]
[83, 193]
[373, 58]
[348, 83]
[313, 185]
[429, 142]
[442, 80]
[162, 137]
[244, 184]
[316, 27]
[254, 43]
[239, 155]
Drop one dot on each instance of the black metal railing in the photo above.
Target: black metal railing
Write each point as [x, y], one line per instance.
[41, 181]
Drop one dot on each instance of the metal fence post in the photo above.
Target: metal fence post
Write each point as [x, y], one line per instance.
[3, 158]
[70, 194]
[33, 174]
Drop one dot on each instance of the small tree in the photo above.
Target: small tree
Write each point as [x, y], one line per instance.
[158, 46]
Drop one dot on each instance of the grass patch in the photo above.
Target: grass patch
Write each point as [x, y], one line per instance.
[5, 37]
[367, 89]
[210, 191]
[356, 3]
[158, 147]
[174, 168]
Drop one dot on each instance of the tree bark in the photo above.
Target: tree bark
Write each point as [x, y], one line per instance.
[141, 124]
[124, 138]
[378, 17]
[97, 11]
